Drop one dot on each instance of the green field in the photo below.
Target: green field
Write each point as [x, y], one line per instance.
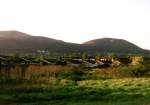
[65, 85]
[127, 91]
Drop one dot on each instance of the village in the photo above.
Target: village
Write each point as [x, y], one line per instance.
[84, 62]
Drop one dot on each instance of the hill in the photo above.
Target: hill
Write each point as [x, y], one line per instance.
[113, 45]
[18, 42]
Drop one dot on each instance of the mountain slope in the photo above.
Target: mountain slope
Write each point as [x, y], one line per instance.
[113, 45]
[14, 41]
[18, 42]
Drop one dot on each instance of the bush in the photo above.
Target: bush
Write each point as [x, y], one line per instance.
[139, 70]
[135, 70]
[65, 82]
[73, 74]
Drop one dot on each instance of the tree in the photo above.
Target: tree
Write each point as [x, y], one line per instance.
[84, 56]
[98, 56]
[113, 55]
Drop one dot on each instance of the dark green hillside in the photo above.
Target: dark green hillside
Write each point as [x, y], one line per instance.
[113, 45]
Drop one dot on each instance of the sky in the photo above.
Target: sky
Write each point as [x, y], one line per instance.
[78, 21]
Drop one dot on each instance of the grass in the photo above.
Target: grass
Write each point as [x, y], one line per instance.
[127, 91]
[63, 85]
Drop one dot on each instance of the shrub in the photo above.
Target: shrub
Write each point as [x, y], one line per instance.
[65, 82]
[135, 70]
[139, 70]
[72, 74]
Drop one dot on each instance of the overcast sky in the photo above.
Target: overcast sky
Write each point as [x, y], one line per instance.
[79, 20]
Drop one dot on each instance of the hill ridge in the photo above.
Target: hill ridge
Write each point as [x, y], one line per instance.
[15, 41]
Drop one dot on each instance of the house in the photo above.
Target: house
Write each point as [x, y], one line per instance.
[89, 65]
[135, 60]
[75, 62]
[105, 59]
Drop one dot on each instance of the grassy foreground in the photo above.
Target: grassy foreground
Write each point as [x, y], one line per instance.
[126, 91]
